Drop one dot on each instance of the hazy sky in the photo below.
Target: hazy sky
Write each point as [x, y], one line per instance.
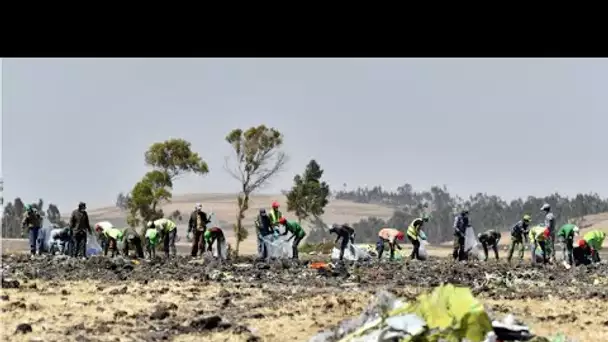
[77, 129]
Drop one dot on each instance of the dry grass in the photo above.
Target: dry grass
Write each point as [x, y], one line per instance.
[292, 317]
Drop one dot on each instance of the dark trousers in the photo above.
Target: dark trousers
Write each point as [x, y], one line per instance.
[294, 246]
[135, 243]
[111, 244]
[35, 242]
[567, 250]
[485, 246]
[198, 242]
[543, 248]
[517, 240]
[415, 249]
[581, 256]
[343, 246]
[169, 243]
[459, 252]
[380, 248]
[80, 244]
[262, 250]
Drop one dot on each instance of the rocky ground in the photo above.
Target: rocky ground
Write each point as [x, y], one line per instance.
[55, 299]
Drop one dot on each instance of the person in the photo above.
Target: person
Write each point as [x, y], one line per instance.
[263, 226]
[275, 214]
[413, 234]
[347, 234]
[487, 239]
[112, 236]
[296, 231]
[168, 232]
[538, 236]
[132, 239]
[391, 236]
[198, 224]
[60, 238]
[549, 224]
[582, 253]
[519, 236]
[567, 233]
[32, 221]
[79, 226]
[215, 234]
[99, 228]
[151, 242]
[595, 240]
[461, 223]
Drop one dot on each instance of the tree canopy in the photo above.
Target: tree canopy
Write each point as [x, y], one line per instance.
[169, 160]
[309, 195]
[175, 157]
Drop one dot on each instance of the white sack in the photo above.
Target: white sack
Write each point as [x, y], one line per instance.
[278, 247]
[359, 253]
[472, 247]
[422, 252]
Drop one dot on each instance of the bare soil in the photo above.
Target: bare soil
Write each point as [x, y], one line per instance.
[185, 300]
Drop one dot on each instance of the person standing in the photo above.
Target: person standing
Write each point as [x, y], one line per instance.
[549, 224]
[263, 226]
[275, 214]
[32, 221]
[80, 225]
[461, 223]
[197, 225]
[413, 234]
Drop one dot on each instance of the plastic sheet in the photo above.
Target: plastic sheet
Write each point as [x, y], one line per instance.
[224, 254]
[423, 254]
[278, 247]
[359, 253]
[93, 246]
[472, 247]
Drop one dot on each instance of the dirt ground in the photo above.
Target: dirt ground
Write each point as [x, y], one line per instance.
[185, 300]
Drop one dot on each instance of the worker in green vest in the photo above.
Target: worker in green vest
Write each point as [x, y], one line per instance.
[566, 234]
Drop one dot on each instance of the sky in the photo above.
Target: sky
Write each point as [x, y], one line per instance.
[77, 129]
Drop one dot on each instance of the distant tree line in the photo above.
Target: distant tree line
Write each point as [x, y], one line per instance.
[486, 211]
[13, 214]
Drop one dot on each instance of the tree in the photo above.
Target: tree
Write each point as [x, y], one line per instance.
[122, 201]
[257, 159]
[175, 157]
[308, 196]
[169, 159]
[146, 196]
[53, 214]
[176, 215]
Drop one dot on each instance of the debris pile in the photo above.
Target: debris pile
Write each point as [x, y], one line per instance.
[448, 313]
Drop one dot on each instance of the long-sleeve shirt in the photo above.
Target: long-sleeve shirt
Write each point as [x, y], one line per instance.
[595, 239]
[550, 222]
[198, 221]
[344, 232]
[567, 231]
[31, 219]
[519, 229]
[164, 225]
[460, 224]
[294, 228]
[79, 221]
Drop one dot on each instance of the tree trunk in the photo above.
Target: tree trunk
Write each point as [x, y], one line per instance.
[238, 233]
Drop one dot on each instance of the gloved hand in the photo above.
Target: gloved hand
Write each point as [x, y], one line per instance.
[188, 238]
